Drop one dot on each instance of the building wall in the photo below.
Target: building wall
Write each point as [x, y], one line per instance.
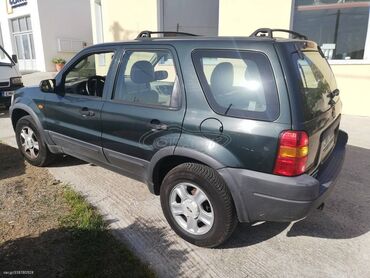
[66, 19]
[354, 84]
[50, 20]
[124, 19]
[30, 9]
[242, 17]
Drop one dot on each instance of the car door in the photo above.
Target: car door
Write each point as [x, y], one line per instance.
[73, 113]
[144, 114]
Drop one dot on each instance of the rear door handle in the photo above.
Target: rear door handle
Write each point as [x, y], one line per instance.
[85, 112]
[157, 125]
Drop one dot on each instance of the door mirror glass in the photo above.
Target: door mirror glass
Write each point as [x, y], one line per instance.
[47, 86]
[15, 58]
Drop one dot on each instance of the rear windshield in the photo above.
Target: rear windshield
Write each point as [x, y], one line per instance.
[316, 82]
[238, 83]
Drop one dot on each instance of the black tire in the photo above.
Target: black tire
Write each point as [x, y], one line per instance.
[44, 156]
[211, 183]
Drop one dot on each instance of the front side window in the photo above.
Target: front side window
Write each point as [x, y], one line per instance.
[341, 28]
[148, 78]
[87, 76]
[238, 83]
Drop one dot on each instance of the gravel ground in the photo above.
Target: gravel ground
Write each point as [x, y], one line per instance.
[330, 243]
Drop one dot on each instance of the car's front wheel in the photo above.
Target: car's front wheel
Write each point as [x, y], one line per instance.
[198, 205]
[31, 144]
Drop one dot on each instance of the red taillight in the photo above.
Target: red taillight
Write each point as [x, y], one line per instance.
[292, 154]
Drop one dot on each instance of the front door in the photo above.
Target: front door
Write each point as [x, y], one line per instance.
[145, 112]
[73, 114]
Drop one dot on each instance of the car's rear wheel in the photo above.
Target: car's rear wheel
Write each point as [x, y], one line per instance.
[198, 205]
[31, 143]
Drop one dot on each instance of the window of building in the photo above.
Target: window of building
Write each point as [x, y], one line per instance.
[148, 78]
[239, 84]
[23, 42]
[341, 28]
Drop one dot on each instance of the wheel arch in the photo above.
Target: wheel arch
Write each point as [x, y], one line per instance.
[20, 110]
[168, 158]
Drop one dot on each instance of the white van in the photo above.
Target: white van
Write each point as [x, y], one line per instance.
[10, 78]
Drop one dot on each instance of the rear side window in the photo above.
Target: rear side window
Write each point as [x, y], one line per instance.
[238, 83]
[316, 82]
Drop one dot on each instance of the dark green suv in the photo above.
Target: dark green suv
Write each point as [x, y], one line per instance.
[224, 129]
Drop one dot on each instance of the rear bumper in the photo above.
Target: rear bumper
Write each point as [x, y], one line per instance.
[265, 197]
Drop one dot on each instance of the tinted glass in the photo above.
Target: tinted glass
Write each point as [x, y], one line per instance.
[23, 24]
[317, 82]
[15, 25]
[339, 27]
[87, 77]
[29, 24]
[148, 78]
[26, 47]
[239, 84]
[18, 45]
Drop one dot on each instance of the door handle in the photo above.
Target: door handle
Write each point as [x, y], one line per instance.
[157, 125]
[85, 112]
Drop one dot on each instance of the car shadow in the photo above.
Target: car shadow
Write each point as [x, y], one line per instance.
[347, 211]
[66, 160]
[346, 214]
[11, 162]
[76, 252]
[4, 113]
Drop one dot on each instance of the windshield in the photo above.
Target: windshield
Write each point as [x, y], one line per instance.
[317, 82]
[4, 57]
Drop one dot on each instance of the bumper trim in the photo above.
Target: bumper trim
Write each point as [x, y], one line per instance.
[266, 197]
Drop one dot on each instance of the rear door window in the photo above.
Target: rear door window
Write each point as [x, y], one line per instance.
[317, 81]
[238, 83]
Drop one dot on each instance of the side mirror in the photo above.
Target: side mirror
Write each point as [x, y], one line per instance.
[47, 86]
[15, 58]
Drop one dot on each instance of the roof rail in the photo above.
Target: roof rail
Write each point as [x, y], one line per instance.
[267, 32]
[148, 34]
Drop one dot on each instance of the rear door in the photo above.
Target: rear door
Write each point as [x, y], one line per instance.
[144, 114]
[319, 105]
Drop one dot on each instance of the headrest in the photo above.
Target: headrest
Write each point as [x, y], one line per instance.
[223, 76]
[142, 72]
[251, 72]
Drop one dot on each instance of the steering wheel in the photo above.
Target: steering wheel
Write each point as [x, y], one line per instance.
[95, 85]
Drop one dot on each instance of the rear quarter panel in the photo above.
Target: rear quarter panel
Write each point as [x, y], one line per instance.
[250, 144]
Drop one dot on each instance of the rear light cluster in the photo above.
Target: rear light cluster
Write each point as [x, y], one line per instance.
[292, 154]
